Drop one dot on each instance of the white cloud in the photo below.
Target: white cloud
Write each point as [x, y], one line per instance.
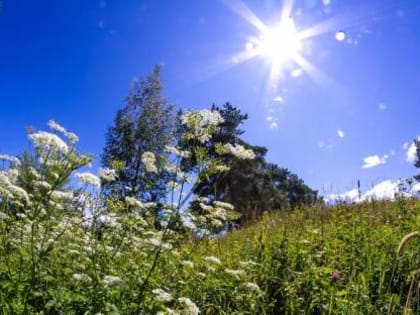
[385, 190]
[348, 196]
[415, 188]
[278, 99]
[296, 73]
[411, 153]
[382, 106]
[340, 133]
[374, 160]
[325, 144]
[272, 122]
[406, 145]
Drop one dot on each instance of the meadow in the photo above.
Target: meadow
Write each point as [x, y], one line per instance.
[73, 249]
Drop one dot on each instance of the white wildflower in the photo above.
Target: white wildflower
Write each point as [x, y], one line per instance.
[205, 207]
[223, 205]
[134, 202]
[235, 273]
[73, 138]
[189, 224]
[222, 168]
[110, 281]
[149, 161]
[210, 117]
[239, 151]
[56, 127]
[81, 277]
[248, 263]
[191, 307]
[201, 124]
[13, 174]
[62, 195]
[162, 295]
[34, 173]
[88, 178]
[253, 287]
[187, 263]
[211, 269]
[150, 204]
[43, 185]
[49, 141]
[107, 174]
[213, 260]
[107, 219]
[3, 216]
[8, 189]
[158, 243]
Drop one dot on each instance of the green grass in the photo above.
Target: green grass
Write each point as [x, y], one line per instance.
[341, 260]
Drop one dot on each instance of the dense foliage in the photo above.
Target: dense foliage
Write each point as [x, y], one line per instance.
[417, 158]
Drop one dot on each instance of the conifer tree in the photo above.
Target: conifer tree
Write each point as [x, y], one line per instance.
[144, 125]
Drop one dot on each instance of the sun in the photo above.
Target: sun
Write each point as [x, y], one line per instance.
[279, 44]
[284, 46]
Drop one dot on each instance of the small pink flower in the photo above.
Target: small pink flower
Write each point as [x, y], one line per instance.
[335, 277]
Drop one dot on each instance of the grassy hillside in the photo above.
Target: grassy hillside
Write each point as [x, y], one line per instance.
[341, 260]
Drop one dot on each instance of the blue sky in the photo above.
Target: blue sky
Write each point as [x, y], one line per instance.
[73, 61]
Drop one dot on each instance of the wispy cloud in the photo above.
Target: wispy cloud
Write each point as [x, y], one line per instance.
[272, 122]
[340, 133]
[348, 196]
[374, 160]
[382, 106]
[325, 144]
[278, 99]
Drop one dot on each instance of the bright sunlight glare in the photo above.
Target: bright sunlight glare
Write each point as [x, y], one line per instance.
[279, 44]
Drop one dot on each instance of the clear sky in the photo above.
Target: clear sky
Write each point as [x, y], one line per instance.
[334, 97]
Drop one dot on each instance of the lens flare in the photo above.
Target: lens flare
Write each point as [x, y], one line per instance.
[279, 44]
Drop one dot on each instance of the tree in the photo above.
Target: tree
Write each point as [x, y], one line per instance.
[252, 186]
[144, 125]
[417, 162]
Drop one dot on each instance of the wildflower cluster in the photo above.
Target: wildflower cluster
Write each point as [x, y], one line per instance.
[237, 150]
[101, 254]
[201, 124]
